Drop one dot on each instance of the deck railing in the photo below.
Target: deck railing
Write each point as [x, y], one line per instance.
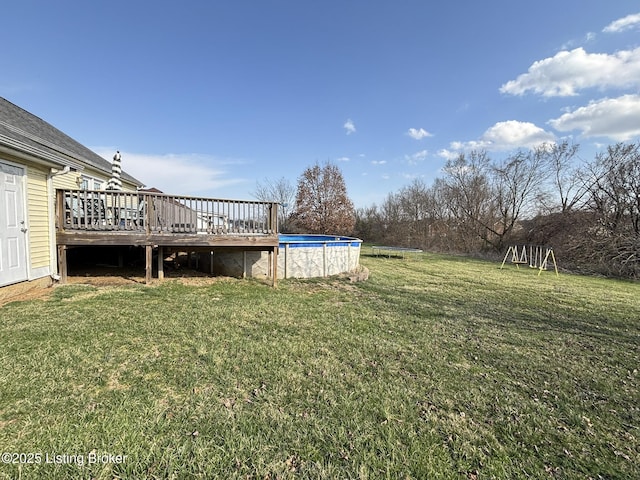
[143, 212]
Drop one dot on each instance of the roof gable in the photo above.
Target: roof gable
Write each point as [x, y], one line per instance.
[24, 131]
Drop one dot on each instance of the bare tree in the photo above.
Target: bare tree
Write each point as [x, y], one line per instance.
[369, 224]
[281, 191]
[441, 234]
[487, 198]
[567, 186]
[470, 199]
[517, 180]
[392, 220]
[416, 201]
[322, 203]
[614, 198]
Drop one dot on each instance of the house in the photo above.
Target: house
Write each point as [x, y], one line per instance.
[54, 196]
[36, 159]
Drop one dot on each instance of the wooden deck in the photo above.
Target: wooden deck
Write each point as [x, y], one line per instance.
[152, 220]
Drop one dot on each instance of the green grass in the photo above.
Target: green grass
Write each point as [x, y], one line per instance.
[436, 367]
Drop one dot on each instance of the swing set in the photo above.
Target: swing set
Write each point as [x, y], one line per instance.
[535, 256]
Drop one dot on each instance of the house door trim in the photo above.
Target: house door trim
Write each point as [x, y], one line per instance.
[14, 254]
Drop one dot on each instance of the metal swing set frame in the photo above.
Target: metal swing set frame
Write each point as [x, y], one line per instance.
[536, 256]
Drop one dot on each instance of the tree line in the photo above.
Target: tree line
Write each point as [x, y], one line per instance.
[587, 210]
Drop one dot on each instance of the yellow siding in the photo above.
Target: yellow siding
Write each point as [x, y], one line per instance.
[70, 180]
[37, 206]
[67, 181]
[40, 227]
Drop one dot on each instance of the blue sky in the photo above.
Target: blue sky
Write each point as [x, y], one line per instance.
[209, 97]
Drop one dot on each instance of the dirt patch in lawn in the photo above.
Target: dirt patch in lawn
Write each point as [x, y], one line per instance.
[36, 289]
[99, 277]
[105, 276]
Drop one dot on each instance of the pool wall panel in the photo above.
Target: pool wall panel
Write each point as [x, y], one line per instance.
[295, 260]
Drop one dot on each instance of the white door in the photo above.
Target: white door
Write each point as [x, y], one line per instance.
[13, 229]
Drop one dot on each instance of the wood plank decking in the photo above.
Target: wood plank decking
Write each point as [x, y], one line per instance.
[152, 220]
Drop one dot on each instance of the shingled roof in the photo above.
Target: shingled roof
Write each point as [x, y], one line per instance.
[24, 132]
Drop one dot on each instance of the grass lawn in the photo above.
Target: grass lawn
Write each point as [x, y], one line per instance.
[436, 367]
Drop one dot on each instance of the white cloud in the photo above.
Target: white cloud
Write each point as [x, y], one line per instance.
[515, 134]
[623, 24]
[569, 71]
[349, 126]
[448, 154]
[417, 157]
[615, 118]
[418, 133]
[343, 159]
[509, 135]
[378, 162]
[589, 37]
[182, 174]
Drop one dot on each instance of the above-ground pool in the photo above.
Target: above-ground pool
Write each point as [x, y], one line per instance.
[306, 256]
[299, 256]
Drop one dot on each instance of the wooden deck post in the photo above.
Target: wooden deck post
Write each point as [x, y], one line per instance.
[274, 266]
[148, 272]
[160, 263]
[62, 263]
[59, 214]
[244, 264]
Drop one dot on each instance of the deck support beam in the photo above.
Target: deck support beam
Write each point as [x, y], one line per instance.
[160, 263]
[244, 264]
[148, 264]
[62, 263]
[274, 266]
